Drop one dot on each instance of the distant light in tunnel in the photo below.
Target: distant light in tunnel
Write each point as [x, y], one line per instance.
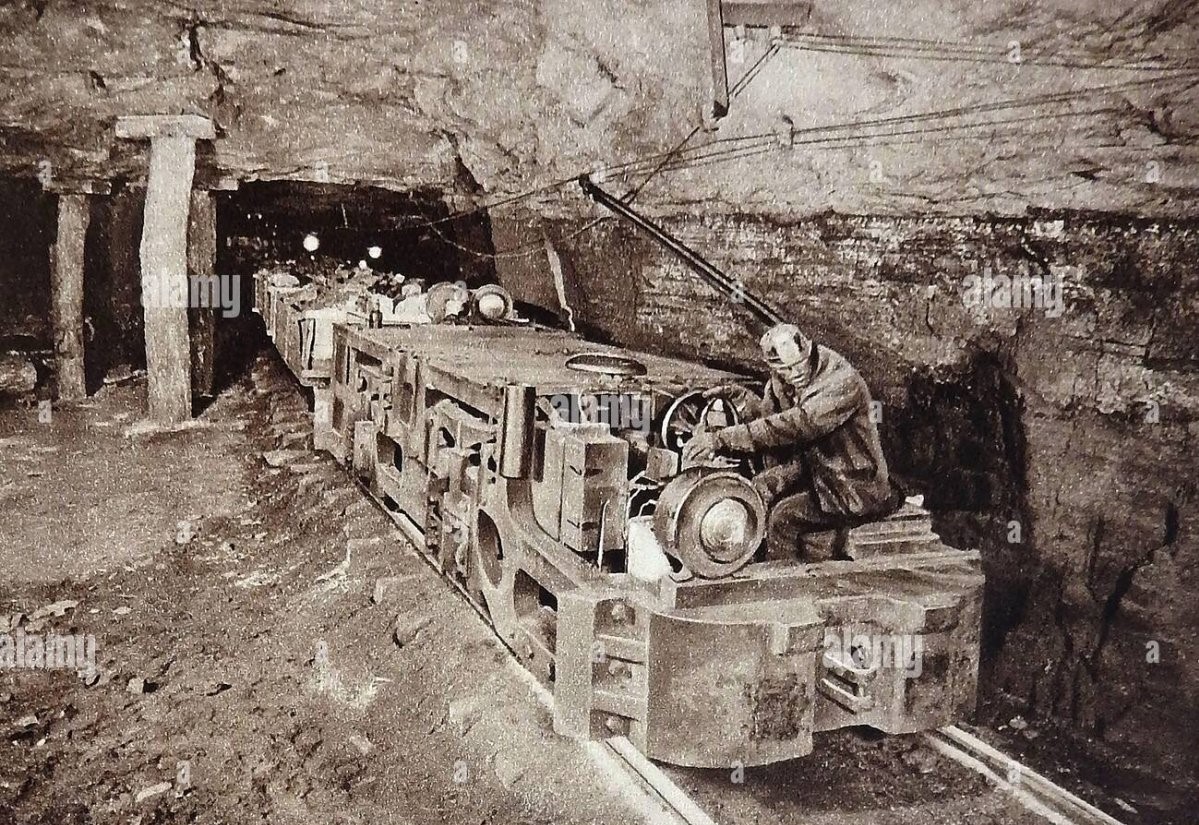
[311, 242]
[375, 251]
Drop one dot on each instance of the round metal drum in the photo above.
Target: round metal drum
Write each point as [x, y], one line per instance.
[710, 520]
[493, 302]
[605, 363]
[445, 300]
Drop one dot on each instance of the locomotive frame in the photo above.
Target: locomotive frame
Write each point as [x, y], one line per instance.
[451, 429]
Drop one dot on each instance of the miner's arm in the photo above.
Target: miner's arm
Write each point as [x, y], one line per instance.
[822, 409]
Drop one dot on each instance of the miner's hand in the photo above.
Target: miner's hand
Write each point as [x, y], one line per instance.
[701, 447]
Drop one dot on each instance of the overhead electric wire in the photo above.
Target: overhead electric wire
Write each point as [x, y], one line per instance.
[529, 248]
[961, 46]
[645, 160]
[817, 136]
[665, 158]
[523, 250]
[972, 57]
[886, 139]
[752, 72]
[954, 127]
[1024, 59]
[941, 118]
[558, 184]
[678, 149]
[756, 144]
[725, 158]
[934, 42]
[1002, 105]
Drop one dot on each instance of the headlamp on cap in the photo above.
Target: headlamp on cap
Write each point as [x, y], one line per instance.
[783, 345]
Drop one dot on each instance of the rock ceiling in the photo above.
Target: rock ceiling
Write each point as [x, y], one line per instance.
[913, 106]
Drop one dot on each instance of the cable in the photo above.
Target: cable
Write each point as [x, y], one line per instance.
[667, 157]
[628, 165]
[753, 70]
[736, 89]
[930, 44]
[951, 127]
[670, 156]
[819, 135]
[921, 136]
[935, 116]
[647, 160]
[558, 184]
[969, 57]
[736, 155]
[995, 106]
[679, 158]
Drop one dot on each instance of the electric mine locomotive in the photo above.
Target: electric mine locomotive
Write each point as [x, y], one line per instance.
[544, 475]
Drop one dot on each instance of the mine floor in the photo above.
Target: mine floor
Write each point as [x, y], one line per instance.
[268, 649]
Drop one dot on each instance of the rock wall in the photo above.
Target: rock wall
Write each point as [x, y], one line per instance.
[1063, 445]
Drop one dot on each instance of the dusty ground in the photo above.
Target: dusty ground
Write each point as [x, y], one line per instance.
[275, 691]
[247, 674]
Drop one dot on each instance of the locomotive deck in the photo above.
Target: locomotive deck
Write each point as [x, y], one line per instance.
[498, 356]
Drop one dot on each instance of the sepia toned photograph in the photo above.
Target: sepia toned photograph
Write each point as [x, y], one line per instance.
[594, 412]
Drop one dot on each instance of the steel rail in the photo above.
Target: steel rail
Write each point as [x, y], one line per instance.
[1034, 791]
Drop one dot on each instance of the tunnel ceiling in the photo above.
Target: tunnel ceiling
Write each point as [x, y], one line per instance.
[493, 98]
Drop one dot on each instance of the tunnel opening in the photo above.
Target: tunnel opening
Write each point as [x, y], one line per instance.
[25, 340]
[331, 233]
[415, 233]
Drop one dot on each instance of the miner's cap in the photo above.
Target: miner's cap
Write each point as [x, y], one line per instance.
[784, 344]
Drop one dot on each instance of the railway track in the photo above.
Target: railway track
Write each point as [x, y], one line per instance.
[1037, 793]
[1034, 792]
[657, 785]
[665, 802]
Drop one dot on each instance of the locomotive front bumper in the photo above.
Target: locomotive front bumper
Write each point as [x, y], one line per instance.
[742, 671]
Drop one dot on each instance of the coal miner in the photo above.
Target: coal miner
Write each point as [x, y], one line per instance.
[814, 433]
